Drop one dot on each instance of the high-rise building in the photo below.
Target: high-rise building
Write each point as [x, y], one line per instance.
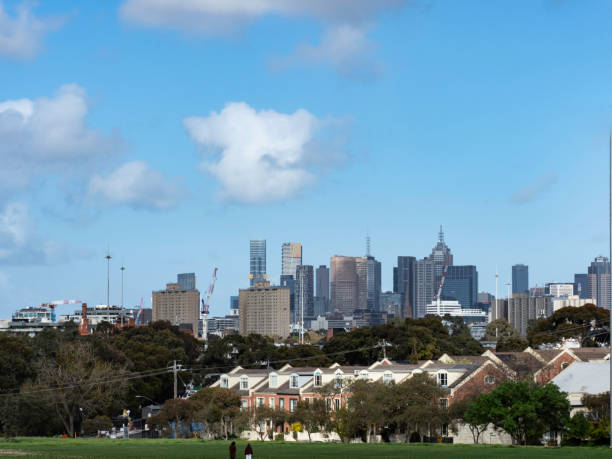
[429, 273]
[234, 306]
[291, 258]
[560, 289]
[187, 281]
[522, 309]
[404, 284]
[257, 271]
[461, 284]
[180, 307]
[520, 279]
[304, 292]
[581, 285]
[322, 290]
[599, 281]
[288, 281]
[373, 280]
[264, 310]
[343, 284]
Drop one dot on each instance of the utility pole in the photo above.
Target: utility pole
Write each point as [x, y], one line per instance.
[610, 322]
[175, 381]
[122, 269]
[496, 294]
[108, 258]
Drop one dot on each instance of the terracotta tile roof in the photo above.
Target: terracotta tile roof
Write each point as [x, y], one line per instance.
[523, 363]
[549, 354]
[591, 353]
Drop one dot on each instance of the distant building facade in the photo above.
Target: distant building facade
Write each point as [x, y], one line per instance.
[264, 310]
[558, 289]
[404, 284]
[581, 285]
[461, 284]
[520, 279]
[257, 261]
[322, 290]
[522, 309]
[304, 292]
[599, 281]
[187, 281]
[178, 306]
[291, 258]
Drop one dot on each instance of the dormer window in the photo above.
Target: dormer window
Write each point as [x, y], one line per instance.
[273, 380]
[338, 380]
[294, 382]
[388, 377]
[224, 381]
[363, 374]
[244, 383]
[318, 379]
[442, 379]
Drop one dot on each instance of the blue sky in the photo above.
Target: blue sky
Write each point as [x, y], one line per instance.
[174, 132]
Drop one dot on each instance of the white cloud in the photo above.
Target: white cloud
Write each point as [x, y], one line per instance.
[344, 45]
[137, 185]
[19, 242]
[263, 155]
[47, 133]
[21, 36]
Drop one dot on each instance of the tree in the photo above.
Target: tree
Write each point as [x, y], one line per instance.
[526, 411]
[511, 344]
[28, 415]
[218, 409]
[177, 414]
[16, 361]
[95, 425]
[571, 322]
[500, 328]
[476, 416]
[77, 384]
[577, 430]
[312, 415]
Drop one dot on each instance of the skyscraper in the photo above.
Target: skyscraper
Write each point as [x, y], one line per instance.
[581, 285]
[373, 289]
[322, 290]
[343, 284]
[257, 271]
[180, 307]
[304, 289]
[461, 284]
[264, 310]
[599, 281]
[520, 279]
[288, 281]
[429, 273]
[187, 281]
[291, 258]
[405, 278]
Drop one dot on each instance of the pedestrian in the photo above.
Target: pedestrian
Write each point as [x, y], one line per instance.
[233, 450]
[248, 452]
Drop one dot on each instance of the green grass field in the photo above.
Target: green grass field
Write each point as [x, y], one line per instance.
[161, 449]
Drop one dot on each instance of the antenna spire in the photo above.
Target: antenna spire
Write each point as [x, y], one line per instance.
[368, 246]
[441, 235]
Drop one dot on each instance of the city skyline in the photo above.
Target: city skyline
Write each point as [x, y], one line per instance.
[391, 137]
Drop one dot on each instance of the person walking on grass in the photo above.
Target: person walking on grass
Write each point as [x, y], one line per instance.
[248, 452]
[233, 450]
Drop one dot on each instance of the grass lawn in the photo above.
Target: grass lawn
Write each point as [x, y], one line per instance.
[136, 448]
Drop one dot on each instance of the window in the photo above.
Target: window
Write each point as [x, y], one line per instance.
[294, 382]
[306, 400]
[271, 402]
[489, 379]
[318, 379]
[292, 404]
[245, 404]
[444, 430]
[338, 381]
[363, 374]
[328, 404]
[273, 380]
[244, 383]
[443, 403]
[260, 401]
[224, 381]
[388, 377]
[281, 403]
[564, 365]
[336, 404]
[443, 379]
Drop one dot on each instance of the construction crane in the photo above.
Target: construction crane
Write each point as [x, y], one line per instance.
[53, 304]
[206, 304]
[442, 284]
[139, 312]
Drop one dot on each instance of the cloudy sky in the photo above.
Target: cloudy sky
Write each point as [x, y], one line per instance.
[173, 131]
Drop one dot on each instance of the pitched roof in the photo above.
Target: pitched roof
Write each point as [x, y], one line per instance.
[523, 363]
[591, 353]
[585, 377]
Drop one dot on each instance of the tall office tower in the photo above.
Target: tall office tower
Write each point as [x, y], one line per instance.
[520, 279]
[304, 292]
[187, 281]
[291, 258]
[523, 309]
[440, 254]
[558, 289]
[234, 306]
[343, 284]
[461, 284]
[581, 285]
[264, 310]
[373, 283]
[257, 271]
[322, 290]
[288, 281]
[599, 281]
[404, 284]
[180, 307]
[429, 273]
[424, 286]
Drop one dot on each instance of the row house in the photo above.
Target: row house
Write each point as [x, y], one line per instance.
[463, 376]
